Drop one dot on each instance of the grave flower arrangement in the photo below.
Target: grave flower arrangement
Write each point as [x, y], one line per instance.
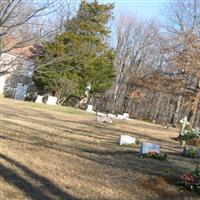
[155, 155]
[191, 180]
[189, 136]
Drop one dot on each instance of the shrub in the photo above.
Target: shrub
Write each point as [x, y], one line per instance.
[192, 152]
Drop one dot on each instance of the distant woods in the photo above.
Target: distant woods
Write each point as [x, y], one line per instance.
[157, 67]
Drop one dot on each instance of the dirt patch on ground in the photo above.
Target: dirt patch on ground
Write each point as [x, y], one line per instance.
[155, 184]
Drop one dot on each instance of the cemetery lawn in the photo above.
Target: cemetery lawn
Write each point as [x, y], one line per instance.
[57, 153]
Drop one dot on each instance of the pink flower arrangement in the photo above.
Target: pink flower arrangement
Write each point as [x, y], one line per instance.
[188, 178]
[191, 180]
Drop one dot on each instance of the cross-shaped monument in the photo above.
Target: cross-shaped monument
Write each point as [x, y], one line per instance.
[184, 122]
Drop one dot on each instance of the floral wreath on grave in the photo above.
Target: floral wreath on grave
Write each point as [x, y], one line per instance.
[189, 135]
[191, 138]
[155, 155]
[191, 180]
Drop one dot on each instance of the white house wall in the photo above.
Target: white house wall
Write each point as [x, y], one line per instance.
[11, 64]
[2, 82]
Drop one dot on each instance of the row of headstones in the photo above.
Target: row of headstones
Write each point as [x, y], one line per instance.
[146, 148]
[50, 100]
[107, 118]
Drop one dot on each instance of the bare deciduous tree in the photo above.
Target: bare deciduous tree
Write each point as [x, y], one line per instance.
[137, 52]
[184, 28]
[23, 23]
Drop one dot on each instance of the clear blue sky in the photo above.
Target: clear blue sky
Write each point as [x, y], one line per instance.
[142, 9]
[145, 9]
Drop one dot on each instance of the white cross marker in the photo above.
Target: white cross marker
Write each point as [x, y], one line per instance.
[184, 122]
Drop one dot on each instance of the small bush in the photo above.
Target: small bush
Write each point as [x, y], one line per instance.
[192, 152]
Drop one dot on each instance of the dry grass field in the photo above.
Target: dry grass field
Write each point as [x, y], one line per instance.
[58, 153]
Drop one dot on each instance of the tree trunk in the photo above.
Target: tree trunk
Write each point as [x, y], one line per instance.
[194, 107]
[177, 110]
[158, 106]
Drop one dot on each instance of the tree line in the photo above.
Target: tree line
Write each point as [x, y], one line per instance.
[158, 68]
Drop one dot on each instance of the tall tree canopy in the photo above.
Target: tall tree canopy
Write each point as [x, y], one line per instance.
[80, 54]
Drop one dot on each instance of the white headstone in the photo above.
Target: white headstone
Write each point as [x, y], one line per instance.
[149, 147]
[100, 114]
[104, 119]
[39, 99]
[120, 116]
[126, 139]
[184, 122]
[111, 115]
[89, 108]
[123, 117]
[51, 100]
[21, 91]
[126, 115]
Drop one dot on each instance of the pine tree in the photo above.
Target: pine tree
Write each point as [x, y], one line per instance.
[81, 53]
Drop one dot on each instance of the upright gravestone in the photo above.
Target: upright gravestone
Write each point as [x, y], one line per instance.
[126, 139]
[21, 91]
[184, 122]
[120, 116]
[51, 100]
[126, 115]
[100, 114]
[39, 99]
[89, 108]
[111, 115]
[149, 147]
[104, 119]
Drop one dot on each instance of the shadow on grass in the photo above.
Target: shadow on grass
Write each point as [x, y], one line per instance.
[47, 189]
[119, 159]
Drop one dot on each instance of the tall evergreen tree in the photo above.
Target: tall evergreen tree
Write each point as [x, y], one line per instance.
[81, 53]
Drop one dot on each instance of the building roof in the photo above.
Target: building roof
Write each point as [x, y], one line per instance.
[27, 50]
